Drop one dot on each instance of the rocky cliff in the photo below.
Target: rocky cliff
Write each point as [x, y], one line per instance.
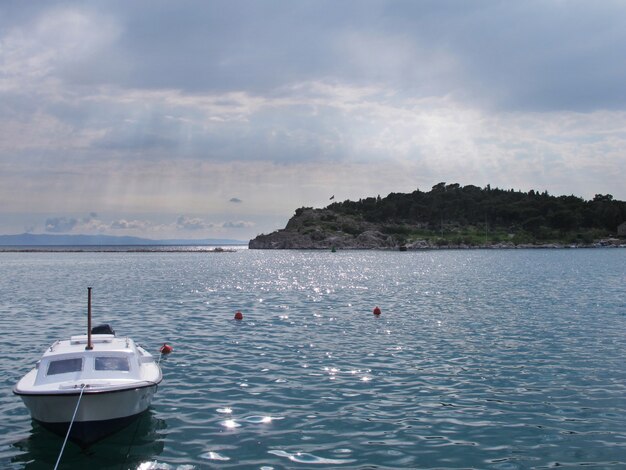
[325, 229]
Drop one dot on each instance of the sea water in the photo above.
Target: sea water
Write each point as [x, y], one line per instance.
[487, 359]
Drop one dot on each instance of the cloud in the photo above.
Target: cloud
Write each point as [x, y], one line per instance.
[60, 224]
[92, 224]
[89, 223]
[187, 223]
[235, 200]
[123, 224]
[233, 105]
[558, 56]
[195, 223]
[238, 224]
[51, 44]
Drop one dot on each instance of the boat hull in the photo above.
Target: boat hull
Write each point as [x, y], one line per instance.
[100, 414]
[86, 433]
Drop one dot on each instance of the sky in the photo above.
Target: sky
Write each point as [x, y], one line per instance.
[217, 119]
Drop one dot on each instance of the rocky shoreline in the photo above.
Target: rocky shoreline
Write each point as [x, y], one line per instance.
[378, 241]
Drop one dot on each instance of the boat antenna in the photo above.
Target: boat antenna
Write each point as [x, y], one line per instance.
[89, 346]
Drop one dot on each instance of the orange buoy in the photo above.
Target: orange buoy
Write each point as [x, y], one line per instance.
[238, 315]
[377, 311]
[166, 349]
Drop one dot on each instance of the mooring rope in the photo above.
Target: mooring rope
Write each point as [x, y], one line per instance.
[132, 441]
[82, 389]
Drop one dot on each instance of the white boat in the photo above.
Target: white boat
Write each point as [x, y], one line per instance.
[97, 382]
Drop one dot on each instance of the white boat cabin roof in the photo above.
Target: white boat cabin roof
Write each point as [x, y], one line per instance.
[77, 344]
[111, 358]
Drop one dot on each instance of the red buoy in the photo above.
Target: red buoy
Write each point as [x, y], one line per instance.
[238, 315]
[166, 349]
[377, 311]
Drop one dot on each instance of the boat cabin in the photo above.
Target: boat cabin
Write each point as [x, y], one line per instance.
[112, 358]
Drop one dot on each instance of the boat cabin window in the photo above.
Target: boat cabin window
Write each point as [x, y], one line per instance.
[65, 365]
[112, 363]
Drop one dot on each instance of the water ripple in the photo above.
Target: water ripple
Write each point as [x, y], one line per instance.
[303, 457]
[486, 359]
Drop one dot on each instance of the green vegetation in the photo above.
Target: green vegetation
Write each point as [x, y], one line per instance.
[450, 214]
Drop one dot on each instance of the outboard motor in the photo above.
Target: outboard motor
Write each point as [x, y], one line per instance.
[104, 329]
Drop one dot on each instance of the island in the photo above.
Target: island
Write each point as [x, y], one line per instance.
[455, 216]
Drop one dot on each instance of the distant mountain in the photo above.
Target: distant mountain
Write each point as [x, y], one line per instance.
[31, 239]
